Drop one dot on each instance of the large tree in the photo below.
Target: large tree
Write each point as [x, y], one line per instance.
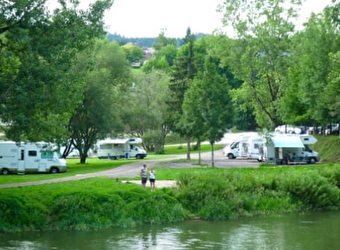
[145, 109]
[184, 71]
[106, 74]
[207, 108]
[259, 54]
[305, 96]
[38, 47]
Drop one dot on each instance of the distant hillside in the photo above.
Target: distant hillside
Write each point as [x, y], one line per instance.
[143, 41]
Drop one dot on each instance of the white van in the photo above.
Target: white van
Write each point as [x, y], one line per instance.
[120, 148]
[24, 158]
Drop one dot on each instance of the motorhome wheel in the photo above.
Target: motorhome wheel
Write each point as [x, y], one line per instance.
[5, 171]
[54, 170]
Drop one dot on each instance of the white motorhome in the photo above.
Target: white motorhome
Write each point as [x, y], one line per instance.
[245, 146]
[24, 158]
[255, 147]
[290, 149]
[120, 148]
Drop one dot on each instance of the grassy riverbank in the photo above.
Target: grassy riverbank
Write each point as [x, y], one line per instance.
[208, 193]
[204, 192]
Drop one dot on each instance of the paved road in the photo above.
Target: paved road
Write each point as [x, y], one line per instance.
[132, 169]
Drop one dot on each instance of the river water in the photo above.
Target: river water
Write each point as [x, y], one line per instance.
[316, 231]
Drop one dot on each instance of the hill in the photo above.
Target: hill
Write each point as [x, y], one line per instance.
[328, 147]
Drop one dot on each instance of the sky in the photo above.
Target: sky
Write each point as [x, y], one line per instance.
[147, 18]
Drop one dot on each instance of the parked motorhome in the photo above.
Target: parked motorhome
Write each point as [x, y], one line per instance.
[245, 146]
[24, 158]
[255, 147]
[120, 148]
[290, 149]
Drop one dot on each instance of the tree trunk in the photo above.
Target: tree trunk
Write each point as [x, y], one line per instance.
[188, 148]
[212, 155]
[199, 152]
[82, 159]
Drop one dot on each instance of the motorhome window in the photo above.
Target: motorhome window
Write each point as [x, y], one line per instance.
[32, 153]
[307, 148]
[105, 146]
[116, 145]
[46, 155]
[235, 145]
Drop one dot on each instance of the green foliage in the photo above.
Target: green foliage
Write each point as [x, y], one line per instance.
[234, 193]
[328, 148]
[106, 76]
[144, 109]
[85, 210]
[133, 52]
[38, 91]
[22, 213]
[210, 193]
[75, 206]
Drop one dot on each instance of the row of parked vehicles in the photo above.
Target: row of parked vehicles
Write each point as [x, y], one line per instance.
[42, 157]
[275, 148]
[330, 129]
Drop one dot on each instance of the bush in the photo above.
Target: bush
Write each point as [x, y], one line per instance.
[21, 213]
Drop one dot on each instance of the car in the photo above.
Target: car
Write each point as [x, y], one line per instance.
[314, 131]
[288, 129]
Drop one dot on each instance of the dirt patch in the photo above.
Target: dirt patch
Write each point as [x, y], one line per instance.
[159, 184]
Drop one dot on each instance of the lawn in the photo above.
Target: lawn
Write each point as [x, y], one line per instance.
[96, 165]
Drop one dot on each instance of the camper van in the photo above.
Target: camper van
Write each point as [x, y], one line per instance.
[255, 147]
[247, 145]
[120, 148]
[237, 149]
[24, 158]
[290, 149]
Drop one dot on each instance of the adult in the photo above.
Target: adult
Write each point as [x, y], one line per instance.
[152, 178]
[144, 175]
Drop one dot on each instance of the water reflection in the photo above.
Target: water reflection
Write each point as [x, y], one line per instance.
[313, 232]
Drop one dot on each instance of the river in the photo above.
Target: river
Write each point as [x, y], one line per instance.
[314, 231]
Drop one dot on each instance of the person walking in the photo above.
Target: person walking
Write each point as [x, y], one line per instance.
[144, 175]
[152, 179]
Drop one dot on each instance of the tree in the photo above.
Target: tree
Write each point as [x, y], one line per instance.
[163, 41]
[38, 92]
[100, 110]
[146, 109]
[184, 71]
[164, 56]
[133, 52]
[305, 96]
[259, 56]
[207, 108]
[332, 91]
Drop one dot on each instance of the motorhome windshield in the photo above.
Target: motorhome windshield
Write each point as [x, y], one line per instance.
[234, 145]
[307, 148]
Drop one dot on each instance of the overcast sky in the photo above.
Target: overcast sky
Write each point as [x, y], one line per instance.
[137, 18]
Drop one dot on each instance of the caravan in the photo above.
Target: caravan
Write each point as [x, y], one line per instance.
[24, 158]
[290, 149]
[120, 148]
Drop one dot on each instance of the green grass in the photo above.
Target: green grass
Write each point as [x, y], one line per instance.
[210, 193]
[94, 165]
[328, 147]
